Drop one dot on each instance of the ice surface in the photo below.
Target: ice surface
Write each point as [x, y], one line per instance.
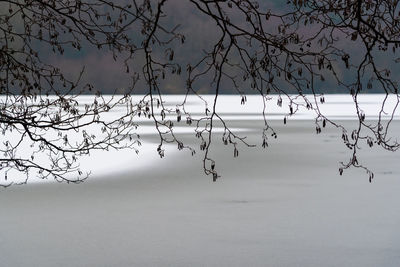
[336, 107]
[286, 206]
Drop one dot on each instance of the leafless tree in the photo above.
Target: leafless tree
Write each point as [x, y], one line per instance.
[296, 52]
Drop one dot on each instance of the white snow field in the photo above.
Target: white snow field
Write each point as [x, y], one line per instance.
[283, 206]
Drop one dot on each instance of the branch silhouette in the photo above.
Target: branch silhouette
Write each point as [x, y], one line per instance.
[296, 53]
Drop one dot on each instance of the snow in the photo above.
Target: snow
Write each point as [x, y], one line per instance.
[336, 107]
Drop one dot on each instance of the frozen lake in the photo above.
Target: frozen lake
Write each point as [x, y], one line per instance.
[336, 107]
[284, 206]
